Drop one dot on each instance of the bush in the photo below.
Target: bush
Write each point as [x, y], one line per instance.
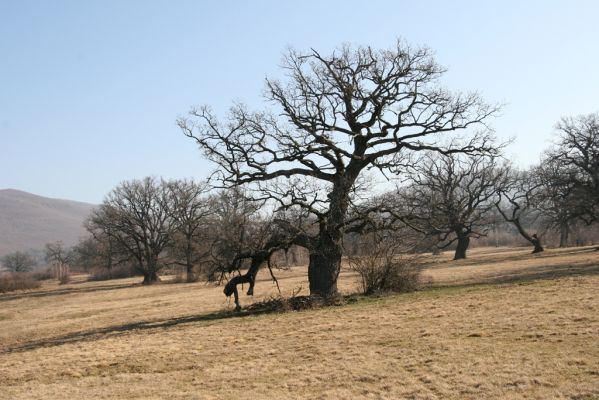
[119, 272]
[64, 279]
[42, 275]
[17, 281]
[386, 267]
[377, 275]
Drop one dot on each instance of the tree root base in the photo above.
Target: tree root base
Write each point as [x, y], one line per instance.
[296, 303]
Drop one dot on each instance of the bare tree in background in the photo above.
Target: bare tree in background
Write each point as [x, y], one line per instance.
[60, 258]
[337, 116]
[136, 216]
[191, 210]
[450, 197]
[86, 253]
[576, 157]
[517, 199]
[18, 262]
[556, 198]
[234, 229]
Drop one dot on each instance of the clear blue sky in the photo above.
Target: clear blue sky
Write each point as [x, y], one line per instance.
[90, 90]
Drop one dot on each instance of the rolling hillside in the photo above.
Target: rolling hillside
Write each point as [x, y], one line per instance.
[504, 324]
[29, 221]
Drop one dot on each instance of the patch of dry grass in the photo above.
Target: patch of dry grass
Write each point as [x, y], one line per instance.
[535, 338]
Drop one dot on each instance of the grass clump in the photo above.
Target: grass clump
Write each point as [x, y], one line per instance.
[11, 281]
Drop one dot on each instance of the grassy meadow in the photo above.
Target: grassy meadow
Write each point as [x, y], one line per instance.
[503, 324]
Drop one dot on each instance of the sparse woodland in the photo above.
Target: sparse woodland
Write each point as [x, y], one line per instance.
[359, 144]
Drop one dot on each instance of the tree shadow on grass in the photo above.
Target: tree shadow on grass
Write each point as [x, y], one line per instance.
[118, 330]
[524, 275]
[269, 306]
[543, 272]
[64, 291]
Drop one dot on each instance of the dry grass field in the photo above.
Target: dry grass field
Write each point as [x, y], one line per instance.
[503, 324]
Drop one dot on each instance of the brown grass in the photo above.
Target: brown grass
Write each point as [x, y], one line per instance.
[503, 324]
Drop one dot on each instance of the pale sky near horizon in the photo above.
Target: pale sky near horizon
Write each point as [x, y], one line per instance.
[90, 90]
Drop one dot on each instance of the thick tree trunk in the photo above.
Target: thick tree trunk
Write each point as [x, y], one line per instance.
[323, 270]
[536, 242]
[191, 276]
[564, 233]
[150, 277]
[325, 257]
[462, 247]
[151, 269]
[534, 239]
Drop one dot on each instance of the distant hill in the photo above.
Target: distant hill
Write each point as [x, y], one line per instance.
[28, 221]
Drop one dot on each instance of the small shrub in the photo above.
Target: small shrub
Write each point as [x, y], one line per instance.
[42, 275]
[64, 279]
[17, 281]
[386, 262]
[119, 272]
[387, 274]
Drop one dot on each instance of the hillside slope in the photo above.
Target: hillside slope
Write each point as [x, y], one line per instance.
[513, 326]
[29, 221]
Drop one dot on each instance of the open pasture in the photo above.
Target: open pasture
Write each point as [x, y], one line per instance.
[501, 324]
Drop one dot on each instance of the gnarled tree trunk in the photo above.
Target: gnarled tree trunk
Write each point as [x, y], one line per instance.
[536, 242]
[462, 247]
[564, 234]
[150, 271]
[150, 277]
[324, 267]
[534, 239]
[191, 276]
[325, 257]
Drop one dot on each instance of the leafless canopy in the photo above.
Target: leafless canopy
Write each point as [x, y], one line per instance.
[575, 161]
[190, 211]
[337, 116]
[18, 261]
[451, 197]
[56, 252]
[136, 216]
[518, 199]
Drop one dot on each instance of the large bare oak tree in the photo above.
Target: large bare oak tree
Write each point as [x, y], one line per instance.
[136, 216]
[335, 117]
[451, 197]
[576, 156]
[190, 210]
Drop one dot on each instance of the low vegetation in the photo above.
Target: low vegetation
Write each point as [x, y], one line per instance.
[11, 281]
[385, 268]
[117, 272]
[398, 275]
